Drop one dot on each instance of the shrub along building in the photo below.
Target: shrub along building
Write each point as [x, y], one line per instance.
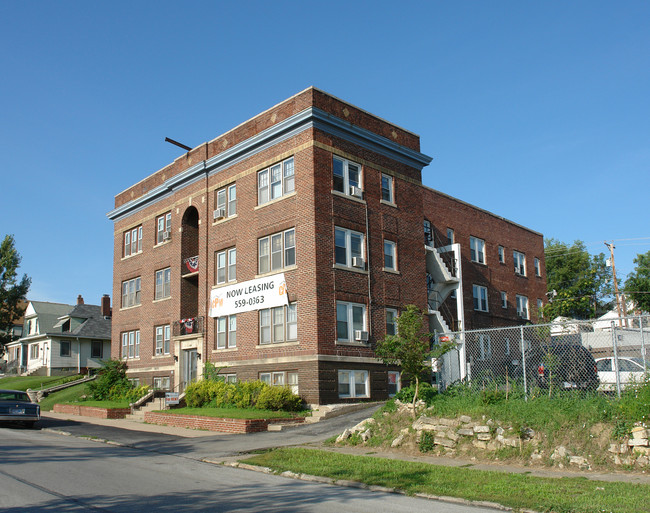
[285, 248]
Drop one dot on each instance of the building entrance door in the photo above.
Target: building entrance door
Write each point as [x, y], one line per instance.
[190, 362]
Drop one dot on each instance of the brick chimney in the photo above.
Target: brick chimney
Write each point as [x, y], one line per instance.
[80, 300]
[106, 305]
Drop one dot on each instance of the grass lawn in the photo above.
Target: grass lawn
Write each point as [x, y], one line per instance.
[559, 495]
[232, 413]
[33, 382]
[67, 395]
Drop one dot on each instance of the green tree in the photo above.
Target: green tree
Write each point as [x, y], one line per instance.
[637, 285]
[410, 348]
[12, 290]
[579, 284]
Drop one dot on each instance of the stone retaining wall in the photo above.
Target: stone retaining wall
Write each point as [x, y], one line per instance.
[222, 425]
[92, 411]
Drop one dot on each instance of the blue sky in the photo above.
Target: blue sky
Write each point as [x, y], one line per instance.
[536, 111]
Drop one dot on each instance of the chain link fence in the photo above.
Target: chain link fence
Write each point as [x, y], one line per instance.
[596, 355]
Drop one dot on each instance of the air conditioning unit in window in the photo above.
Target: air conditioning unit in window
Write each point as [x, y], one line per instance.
[356, 191]
[167, 235]
[361, 336]
[219, 213]
[358, 262]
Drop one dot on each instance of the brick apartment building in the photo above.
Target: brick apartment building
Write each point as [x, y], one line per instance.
[285, 248]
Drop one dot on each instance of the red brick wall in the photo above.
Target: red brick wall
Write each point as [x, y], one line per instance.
[221, 425]
[92, 411]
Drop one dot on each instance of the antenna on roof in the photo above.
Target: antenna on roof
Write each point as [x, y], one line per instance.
[176, 143]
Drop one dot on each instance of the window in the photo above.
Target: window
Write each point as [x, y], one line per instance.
[347, 177]
[230, 378]
[33, 351]
[161, 383]
[163, 283]
[522, 306]
[226, 328]
[502, 255]
[348, 248]
[450, 235]
[520, 263]
[540, 308]
[390, 255]
[387, 188]
[485, 346]
[350, 317]
[391, 321]
[280, 379]
[538, 269]
[226, 262]
[131, 344]
[353, 383]
[480, 298]
[133, 241]
[394, 383]
[162, 340]
[96, 349]
[279, 324]
[477, 250]
[504, 300]
[428, 233]
[277, 251]
[164, 228]
[64, 348]
[275, 181]
[131, 292]
[225, 202]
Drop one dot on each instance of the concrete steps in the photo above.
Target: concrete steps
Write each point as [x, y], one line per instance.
[137, 415]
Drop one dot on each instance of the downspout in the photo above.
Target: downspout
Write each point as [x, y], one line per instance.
[204, 353]
[369, 291]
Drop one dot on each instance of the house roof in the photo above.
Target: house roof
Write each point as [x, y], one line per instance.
[48, 313]
[94, 325]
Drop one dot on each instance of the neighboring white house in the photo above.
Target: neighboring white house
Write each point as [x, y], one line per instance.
[61, 339]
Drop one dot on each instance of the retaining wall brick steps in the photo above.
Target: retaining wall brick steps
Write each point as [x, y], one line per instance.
[222, 425]
[92, 411]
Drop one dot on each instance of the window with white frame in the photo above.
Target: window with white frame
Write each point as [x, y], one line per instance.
[163, 283]
[277, 251]
[225, 202]
[540, 308]
[133, 241]
[230, 378]
[161, 383]
[348, 247]
[522, 306]
[350, 318]
[477, 250]
[275, 181]
[394, 383]
[33, 351]
[96, 349]
[346, 176]
[226, 328]
[480, 298]
[279, 324]
[164, 228]
[390, 255]
[64, 348]
[162, 340]
[504, 300]
[226, 266]
[387, 188]
[131, 292]
[353, 383]
[450, 236]
[502, 255]
[280, 379]
[131, 344]
[485, 346]
[538, 269]
[391, 321]
[520, 262]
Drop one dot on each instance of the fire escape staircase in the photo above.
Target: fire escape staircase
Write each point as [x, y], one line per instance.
[441, 282]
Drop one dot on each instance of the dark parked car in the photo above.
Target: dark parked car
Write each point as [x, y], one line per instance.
[16, 406]
[562, 366]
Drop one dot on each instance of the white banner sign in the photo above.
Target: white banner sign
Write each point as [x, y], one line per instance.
[250, 295]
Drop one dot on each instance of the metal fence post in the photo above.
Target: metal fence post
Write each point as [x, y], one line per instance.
[643, 353]
[615, 346]
[523, 361]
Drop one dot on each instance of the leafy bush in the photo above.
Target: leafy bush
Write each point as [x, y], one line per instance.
[634, 405]
[248, 393]
[278, 399]
[111, 381]
[426, 393]
[427, 441]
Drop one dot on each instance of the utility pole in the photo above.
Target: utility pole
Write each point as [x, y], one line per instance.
[618, 299]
